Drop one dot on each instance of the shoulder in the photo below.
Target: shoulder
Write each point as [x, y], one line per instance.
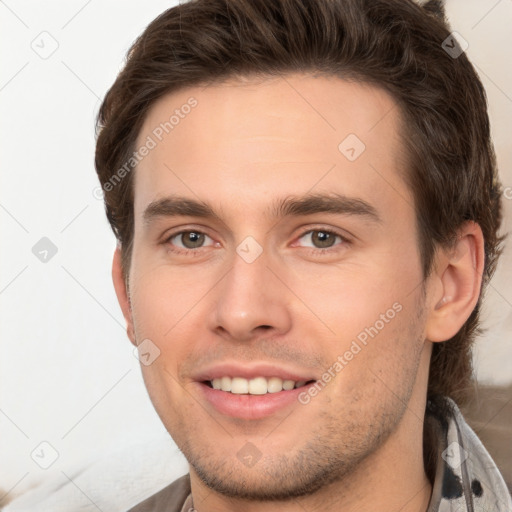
[169, 499]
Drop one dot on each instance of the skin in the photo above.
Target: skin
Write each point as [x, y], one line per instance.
[357, 445]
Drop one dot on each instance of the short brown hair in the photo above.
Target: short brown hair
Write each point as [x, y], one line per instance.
[393, 44]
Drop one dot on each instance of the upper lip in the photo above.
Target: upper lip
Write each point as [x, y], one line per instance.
[251, 371]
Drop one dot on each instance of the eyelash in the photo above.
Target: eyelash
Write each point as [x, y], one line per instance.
[313, 250]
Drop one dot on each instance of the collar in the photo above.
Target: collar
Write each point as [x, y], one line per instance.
[466, 477]
[188, 505]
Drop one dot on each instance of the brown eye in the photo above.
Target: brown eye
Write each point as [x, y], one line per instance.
[192, 239]
[188, 239]
[323, 239]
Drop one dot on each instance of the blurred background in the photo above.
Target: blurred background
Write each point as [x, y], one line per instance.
[71, 391]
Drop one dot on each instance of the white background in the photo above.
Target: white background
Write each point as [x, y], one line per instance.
[68, 375]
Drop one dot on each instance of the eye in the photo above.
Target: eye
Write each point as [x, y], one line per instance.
[188, 240]
[322, 239]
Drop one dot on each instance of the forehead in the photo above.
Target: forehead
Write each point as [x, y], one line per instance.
[255, 137]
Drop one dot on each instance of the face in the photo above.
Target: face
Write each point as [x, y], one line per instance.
[275, 246]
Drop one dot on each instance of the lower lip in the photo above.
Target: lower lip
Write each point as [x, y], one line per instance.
[250, 407]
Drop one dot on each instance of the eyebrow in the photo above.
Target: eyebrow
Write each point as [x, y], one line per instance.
[309, 204]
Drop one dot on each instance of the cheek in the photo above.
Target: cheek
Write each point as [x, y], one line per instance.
[379, 364]
[162, 298]
[161, 313]
[169, 308]
[351, 297]
[372, 314]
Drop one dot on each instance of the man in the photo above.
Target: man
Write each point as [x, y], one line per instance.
[306, 204]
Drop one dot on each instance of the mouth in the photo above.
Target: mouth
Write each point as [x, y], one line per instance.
[254, 386]
[252, 391]
[252, 399]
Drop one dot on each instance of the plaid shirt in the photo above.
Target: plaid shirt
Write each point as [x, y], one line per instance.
[466, 478]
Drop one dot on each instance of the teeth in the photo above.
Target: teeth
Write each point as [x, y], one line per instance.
[256, 386]
[288, 384]
[274, 384]
[225, 383]
[239, 386]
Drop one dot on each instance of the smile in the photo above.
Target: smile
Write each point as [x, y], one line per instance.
[255, 386]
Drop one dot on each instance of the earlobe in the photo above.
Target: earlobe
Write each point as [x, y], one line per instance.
[122, 293]
[458, 277]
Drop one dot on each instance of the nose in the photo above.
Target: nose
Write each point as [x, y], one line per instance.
[250, 301]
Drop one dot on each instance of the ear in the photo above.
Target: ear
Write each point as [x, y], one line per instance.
[122, 293]
[455, 283]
